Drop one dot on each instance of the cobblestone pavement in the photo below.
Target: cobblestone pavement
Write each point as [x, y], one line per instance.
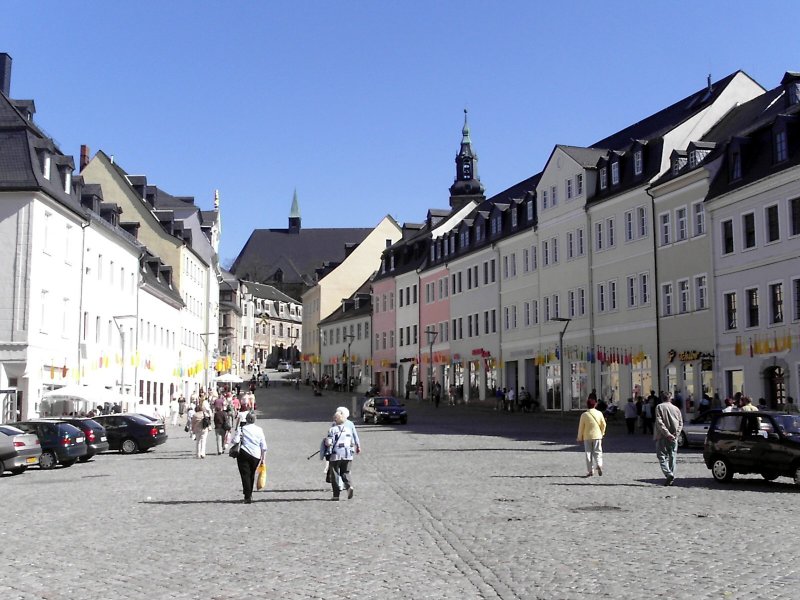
[463, 502]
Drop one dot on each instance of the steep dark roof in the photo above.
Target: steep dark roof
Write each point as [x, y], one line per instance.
[268, 292]
[668, 118]
[295, 254]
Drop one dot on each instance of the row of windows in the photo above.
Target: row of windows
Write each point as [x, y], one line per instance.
[573, 188]
[638, 166]
[770, 229]
[290, 332]
[674, 226]
[344, 334]
[753, 305]
[676, 298]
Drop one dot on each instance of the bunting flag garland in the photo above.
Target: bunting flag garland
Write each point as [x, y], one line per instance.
[738, 348]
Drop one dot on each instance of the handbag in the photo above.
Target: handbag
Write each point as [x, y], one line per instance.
[234, 451]
[261, 476]
[206, 423]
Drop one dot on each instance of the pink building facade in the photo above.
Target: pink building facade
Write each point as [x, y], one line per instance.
[384, 358]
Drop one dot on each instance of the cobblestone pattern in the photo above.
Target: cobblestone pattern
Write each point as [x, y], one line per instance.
[463, 502]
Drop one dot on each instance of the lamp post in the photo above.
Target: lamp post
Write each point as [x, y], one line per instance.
[117, 319]
[431, 333]
[204, 337]
[566, 322]
[349, 337]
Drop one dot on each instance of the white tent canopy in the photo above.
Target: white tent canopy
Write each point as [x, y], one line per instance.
[78, 398]
[229, 378]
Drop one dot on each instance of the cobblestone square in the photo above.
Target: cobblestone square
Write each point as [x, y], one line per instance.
[463, 502]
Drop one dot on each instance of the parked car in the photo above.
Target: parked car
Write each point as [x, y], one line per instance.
[383, 408]
[95, 434]
[131, 433]
[61, 443]
[753, 442]
[18, 450]
[694, 432]
[283, 366]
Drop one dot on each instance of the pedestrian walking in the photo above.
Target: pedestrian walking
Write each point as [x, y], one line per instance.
[631, 416]
[189, 416]
[201, 423]
[668, 427]
[252, 452]
[591, 429]
[219, 429]
[174, 410]
[511, 399]
[339, 446]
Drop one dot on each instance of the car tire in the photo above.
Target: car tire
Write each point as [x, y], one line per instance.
[683, 442]
[797, 476]
[375, 419]
[48, 460]
[85, 458]
[19, 470]
[68, 463]
[721, 470]
[128, 446]
[770, 476]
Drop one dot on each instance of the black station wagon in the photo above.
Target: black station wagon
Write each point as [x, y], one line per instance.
[753, 442]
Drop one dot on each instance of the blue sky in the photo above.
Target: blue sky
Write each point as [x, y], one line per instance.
[359, 105]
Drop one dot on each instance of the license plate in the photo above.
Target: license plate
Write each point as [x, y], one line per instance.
[102, 438]
[79, 440]
[31, 460]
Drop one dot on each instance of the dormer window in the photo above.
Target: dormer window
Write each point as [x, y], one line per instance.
[67, 182]
[603, 178]
[637, 162]
[736, 165]
[46, 165]
[478, 233]
[529, 210]
[794, 93]
[496, 225]
[391, 263]
[464, 242]
[514, 217]
[452, 244]
[433, 252]
[678, 162]
[615, 173]
[781, 150]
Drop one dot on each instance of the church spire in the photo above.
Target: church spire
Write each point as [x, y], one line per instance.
[467, 185]
[294, 215]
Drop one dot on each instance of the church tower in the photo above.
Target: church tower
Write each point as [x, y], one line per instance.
[294, 216]
[467, 185]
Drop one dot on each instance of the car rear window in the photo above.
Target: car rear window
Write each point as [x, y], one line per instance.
[8, 430]
[729, 424]
[139, 420]
[790, 425]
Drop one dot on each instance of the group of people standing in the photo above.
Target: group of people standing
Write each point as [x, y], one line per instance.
[223, 412]
[667, 427]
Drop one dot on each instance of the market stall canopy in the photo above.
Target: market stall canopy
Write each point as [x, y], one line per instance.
[229, 378]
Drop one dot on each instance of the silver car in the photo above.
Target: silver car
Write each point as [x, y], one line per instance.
[694, 431]
[18, 450]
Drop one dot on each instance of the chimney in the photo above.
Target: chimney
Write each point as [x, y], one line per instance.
[84, 157]
[5, 74]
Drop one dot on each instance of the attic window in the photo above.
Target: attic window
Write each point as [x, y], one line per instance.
[637, 162]
[514, 217]
[529, 209]
[478, 233]
[67, 182]
[736, 165]
[603, 180]
[678, 163]
[696, 157]
[615, 173]
[46, 165]
[794, 93]
[781, 152]
[391, 264]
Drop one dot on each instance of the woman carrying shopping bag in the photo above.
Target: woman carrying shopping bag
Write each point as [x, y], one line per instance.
[252, 446]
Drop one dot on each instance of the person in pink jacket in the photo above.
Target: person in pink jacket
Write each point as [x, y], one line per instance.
[591, 429]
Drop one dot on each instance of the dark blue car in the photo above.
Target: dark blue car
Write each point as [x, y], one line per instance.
[384, 409]
[131, 433]
[62, 443]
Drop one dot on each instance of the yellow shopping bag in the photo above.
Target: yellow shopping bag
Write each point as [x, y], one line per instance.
[261, 476]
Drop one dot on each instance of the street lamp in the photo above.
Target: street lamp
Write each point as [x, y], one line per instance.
[566, 322]
[431, 333]
[117, 319]
[349, 337]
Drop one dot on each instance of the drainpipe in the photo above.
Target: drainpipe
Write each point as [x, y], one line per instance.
[84, 225]
[655, 290]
